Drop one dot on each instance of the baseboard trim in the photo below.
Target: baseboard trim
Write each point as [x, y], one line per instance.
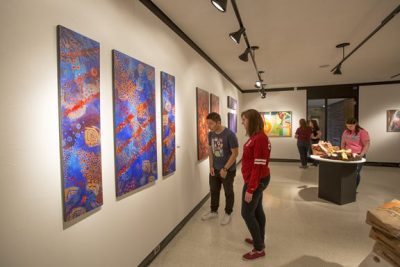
[383, 164]
[172, 234]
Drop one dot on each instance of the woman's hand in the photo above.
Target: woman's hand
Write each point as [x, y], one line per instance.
[248, 197]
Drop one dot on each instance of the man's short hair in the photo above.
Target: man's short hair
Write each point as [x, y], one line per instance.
[214, 116]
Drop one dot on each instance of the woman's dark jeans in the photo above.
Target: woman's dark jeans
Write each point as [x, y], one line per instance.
[253, 214]
[303, 151]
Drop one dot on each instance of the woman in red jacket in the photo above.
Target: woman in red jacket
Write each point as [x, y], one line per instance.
[256, 176]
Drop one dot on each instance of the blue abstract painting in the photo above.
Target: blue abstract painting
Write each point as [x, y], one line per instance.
[79, 91]
[134, 123]
[232, 122]
[168, 123]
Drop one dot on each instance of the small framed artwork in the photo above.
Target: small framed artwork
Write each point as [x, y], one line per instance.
[232, 103]
[393, 120]
[232, 122]
[214, 103]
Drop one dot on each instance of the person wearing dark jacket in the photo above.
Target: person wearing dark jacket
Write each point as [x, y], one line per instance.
[256, 176]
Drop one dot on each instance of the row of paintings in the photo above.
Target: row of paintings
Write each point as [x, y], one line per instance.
[208, 102]
[134, 122]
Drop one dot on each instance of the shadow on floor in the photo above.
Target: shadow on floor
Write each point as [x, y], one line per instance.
[311, 261]
[310, 194]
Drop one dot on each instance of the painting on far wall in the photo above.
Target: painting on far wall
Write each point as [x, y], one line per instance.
[232, 103]
[134, 123]
[168, 123]
[202, 99]
[393, 120]
[232, 122]
[79, 96]
[277, 123]
[214, 103]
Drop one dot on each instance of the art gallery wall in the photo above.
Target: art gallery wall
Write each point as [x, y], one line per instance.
[374, 102]
[122, 232]
[294, 101]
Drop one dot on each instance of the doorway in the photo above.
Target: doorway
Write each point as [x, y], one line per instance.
[331, 115]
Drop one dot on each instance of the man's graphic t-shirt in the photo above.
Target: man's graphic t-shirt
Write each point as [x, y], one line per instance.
[221, 145]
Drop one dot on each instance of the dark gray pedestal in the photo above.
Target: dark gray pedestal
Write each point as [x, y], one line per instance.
[337, 182]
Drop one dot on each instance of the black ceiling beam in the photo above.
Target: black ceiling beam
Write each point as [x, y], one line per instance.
[253, 59]
[164, 18]
[383, 23]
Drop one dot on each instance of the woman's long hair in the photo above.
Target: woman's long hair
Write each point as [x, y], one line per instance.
[256, 123]
[303, 124]
[315, 125]
[354, 121]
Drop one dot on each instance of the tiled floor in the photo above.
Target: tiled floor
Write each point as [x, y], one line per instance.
[302, 230]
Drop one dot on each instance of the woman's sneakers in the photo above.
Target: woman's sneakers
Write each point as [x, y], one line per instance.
[254, 254]
[248, 241]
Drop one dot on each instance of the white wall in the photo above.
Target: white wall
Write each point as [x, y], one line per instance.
[295, 101]
[122, 232]
[374, 102]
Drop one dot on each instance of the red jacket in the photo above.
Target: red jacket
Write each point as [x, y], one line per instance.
[256, 153]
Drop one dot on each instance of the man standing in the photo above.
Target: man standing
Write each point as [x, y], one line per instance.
[223, 150]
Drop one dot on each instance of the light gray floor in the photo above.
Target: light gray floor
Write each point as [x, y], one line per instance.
[302, 230]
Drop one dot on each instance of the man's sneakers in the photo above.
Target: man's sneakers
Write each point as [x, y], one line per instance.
[226, 219]
[254, 254]
[209, 215]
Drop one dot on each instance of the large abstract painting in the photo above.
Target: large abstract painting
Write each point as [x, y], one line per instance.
[202, 128]
[393, 120]
[232, 103]
[134, 123]
[277, 123]
[232, 122]
[168, 123]
[79, 91]
[214, 103]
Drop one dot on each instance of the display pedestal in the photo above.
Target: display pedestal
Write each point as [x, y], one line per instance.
[337, 180]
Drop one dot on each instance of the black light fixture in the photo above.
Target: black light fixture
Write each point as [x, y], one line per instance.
[263, 93]
[245, 56]
[258, 84]
[235, 36]
[338, 70]
[220, 4]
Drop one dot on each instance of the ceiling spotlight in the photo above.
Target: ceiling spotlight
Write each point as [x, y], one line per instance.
[261, 72]
[258, 84]
[235, 36]
[263, 93]
[338, 70]
[245, 55]
[220, 4]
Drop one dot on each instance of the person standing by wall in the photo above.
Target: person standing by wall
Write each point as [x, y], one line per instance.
[256, 176]
[303, 136]
[357, 139]
[223, 151]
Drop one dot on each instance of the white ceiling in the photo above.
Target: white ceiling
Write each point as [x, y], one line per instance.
[295, 38]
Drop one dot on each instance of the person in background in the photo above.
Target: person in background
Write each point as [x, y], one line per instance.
[256, 176]
[303, 136]
[315, 136]
[223, 150]
[357, 139]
